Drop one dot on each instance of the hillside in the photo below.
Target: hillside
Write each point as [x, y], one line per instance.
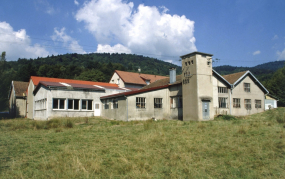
[91, 67]
[248, 147]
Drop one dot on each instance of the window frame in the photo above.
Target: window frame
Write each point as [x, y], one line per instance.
[258, 105]
[73, 102]
[222, 89]
[247, 104]
[58, 103]
[246, 87]
[223, 102]
[157, 103]
[87, 104]
[140, 102]
[236, 102]
[115, 103]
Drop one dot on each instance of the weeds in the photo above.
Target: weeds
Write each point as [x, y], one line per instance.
[280, 118]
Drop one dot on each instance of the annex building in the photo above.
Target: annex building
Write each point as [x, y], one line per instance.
[199, 93]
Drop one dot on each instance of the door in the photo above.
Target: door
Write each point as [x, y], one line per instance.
[97, 109]
[206, 109]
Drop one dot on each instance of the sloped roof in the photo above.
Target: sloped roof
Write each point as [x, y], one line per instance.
[134, 92]
[37, 79]
[232, 78]
[20, 88]
[137, 78]
[163, 82]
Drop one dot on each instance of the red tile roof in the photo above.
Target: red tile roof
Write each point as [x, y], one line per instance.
[37, 79]
[137, 78]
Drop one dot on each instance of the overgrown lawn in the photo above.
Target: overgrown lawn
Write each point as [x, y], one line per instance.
[228, 147]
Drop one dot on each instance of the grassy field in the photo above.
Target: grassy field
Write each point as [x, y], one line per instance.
[248, 147]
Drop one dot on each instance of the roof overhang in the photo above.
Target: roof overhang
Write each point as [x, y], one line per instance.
[195, 53]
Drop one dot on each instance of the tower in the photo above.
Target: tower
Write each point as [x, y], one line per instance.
[197, 87]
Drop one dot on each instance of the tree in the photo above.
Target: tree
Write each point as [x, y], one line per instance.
[3, 61]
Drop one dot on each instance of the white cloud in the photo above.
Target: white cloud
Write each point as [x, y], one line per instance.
[275, 37]
[17, 44]
[43, 5]
[145, 30]
[281, 55]
[76, 2]
[68, 41]
[115, 49]
[256, 52]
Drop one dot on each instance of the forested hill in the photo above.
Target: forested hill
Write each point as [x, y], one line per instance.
[263, 71]
[91, 67]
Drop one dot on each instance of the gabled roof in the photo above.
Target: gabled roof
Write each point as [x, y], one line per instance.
[163, 82]
[20, 88]
[235, 78]
[137, 78]
[232, 78]
[134, 92]
[37, 79]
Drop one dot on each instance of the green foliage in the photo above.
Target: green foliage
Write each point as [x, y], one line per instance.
[228, 117]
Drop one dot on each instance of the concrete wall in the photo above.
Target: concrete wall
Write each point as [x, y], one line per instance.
[17, 105]
[217, 83]
[30, 100]
[197, 86]
[127, 109]
[114, 80]
[255, 94]
[21, 107]
[47, 112]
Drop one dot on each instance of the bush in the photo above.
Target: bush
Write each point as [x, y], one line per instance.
[228, 117]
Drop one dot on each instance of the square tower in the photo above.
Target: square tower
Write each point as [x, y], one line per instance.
[197, 86]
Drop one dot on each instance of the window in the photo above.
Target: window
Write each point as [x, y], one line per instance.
[236, 103]
[115, 103]
[192, 62]
[40, 104]
[209, 63]
[147, 82]
[257, 103]
[176, 102]
[247, 103]
[223, 103]
[106, 104]
[73, 104]
[58, 104]
[222, 89]
[140, 102]
[185, 63]
[246, 87]
[86, 104]
[157, 102]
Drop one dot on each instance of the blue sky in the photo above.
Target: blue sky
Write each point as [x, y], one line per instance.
[238, 32]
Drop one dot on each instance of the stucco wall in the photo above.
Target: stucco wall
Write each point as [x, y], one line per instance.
[217, 83]
[115, 77]
[30, 100]
[20, 107]
[255, 94]
[49, 112]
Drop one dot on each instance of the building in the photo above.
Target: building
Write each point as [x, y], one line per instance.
[133, 80]
[199, 93]
[270, 102]
[17, 99]
[54, 97]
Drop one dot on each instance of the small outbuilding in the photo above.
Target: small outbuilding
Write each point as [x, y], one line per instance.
[270, 102]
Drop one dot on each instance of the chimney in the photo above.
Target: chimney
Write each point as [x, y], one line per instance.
[172, 75]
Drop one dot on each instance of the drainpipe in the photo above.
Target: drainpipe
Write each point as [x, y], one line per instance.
[231, 101]
[127, 108]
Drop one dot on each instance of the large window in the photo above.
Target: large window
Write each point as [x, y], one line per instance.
[140, 102]
[223, 103]
[236, 102]
[58, 104]
[106, 104]
[176, 102]
[157, 102]
[73, 104]
[115, 103]
[86, 104]
[246, 87]
[247, 103]
[257, 103]
[222, 89]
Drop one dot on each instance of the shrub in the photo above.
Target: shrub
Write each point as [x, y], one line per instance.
[228, 117]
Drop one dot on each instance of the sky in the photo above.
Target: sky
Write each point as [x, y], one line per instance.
[237, 32]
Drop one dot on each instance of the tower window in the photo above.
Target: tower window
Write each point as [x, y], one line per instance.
[186, 63]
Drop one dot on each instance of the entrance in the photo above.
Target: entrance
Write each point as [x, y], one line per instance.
[206, 109]
[97, 109]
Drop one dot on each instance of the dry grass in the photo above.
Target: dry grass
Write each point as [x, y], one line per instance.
[249, 147]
